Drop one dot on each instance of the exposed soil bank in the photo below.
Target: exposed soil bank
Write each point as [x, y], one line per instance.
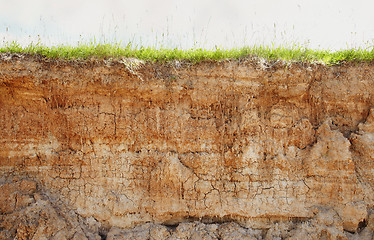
[284, 151]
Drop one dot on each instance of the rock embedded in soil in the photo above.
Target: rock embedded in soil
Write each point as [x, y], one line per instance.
[284, 152]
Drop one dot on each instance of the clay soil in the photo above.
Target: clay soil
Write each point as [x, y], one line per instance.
[109, 149]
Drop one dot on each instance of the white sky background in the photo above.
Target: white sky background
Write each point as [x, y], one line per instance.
[328, 24]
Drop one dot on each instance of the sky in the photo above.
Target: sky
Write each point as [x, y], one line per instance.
[318, 24]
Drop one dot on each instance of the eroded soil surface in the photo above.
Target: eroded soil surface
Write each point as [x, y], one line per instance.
[217, 150]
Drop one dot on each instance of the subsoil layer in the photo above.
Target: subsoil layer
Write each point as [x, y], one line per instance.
[237, 149]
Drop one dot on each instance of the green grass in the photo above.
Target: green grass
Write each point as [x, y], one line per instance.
[103, 51]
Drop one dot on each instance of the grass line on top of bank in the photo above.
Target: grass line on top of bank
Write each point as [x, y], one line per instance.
[105, 51]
